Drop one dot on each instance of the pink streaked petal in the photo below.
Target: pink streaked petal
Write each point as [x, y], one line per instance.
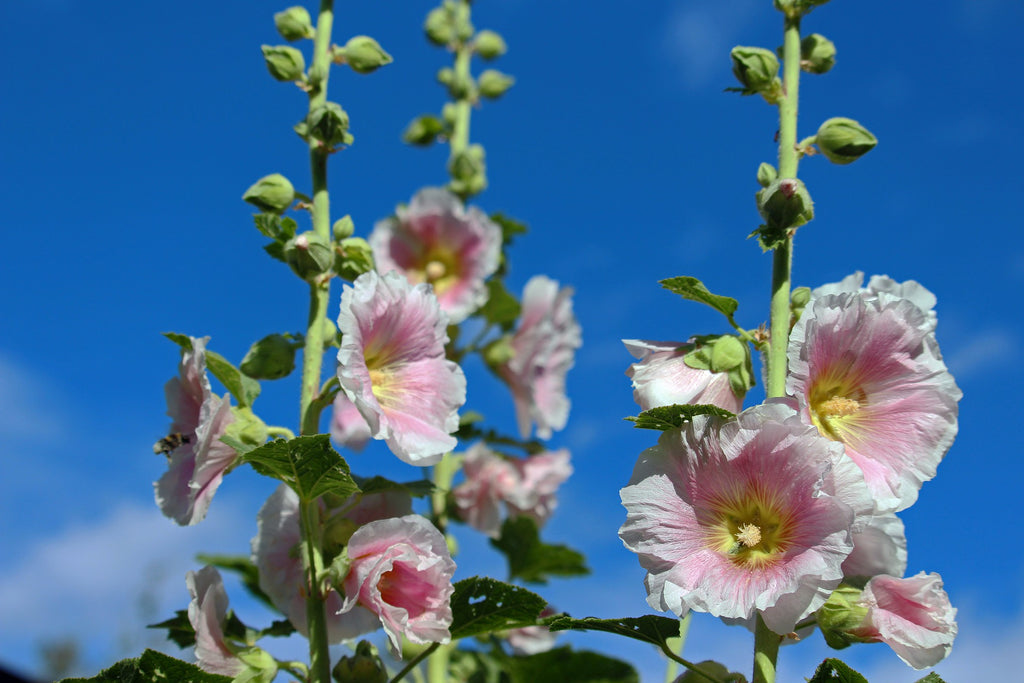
[662, 378]
[207, 613]
[348, 427]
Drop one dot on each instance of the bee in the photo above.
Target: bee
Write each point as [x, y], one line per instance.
[170, 442]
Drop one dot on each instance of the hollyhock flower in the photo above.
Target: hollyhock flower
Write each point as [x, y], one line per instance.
[392, 366]
[540, 475]
[402, 572]
[885, 286]
[662, 378]
[489, 479]
[913, 616]
[197, 458]
[867, 373]
[438, 241]
[207, 612]
[543, 346]
[348, 428]
[732, 517]
[275, 552]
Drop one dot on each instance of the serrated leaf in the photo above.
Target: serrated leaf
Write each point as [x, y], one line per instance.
[502, 308]
[152, 667]
[564, 665]
[532, 560]
[179, 629]
[675, 415]
[836, 671]
[308, 464]
[243, 566]
[245, 389]
[483, 605]
[693, 289]
[276, 250]
[931, 678]
[649, 628]
[376, 484]
[268, 224]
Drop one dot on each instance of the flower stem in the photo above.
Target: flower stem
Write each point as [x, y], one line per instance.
[414, 661]
[316, 618]
[766, 652]
[437, 665]
[677, 646]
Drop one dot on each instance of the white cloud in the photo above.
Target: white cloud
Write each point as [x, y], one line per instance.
[26, 404]
[699, 36]
[984, 352]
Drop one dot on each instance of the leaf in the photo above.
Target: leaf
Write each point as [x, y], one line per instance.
[693, 289]
[281, 628]
[308, 464]
[502, 308]
[179, 629]
[675, 415]
[564, 665]
[649, 628]
[241, 447]
[244, 389]
[243, 566]
[416, 489]
[510, 227]
[182, 340]
[931, 678]
[836, 671]
[152, 667]
[483, 605]
[532, 560]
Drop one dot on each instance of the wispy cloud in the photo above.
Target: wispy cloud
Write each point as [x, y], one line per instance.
[984, 352]
[26, 404]
[699, 36]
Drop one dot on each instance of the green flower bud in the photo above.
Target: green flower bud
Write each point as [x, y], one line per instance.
[461, 86]
[273, 193]
[260, 666]
[423, 130]
[499, 352]
[817, 54]
[294, 24]
[309, 255]
[493, 84]
[755, 68]
[343, 227]
[247, 428]
[840, 614]
[438, 27]
[284, 62]
[449, 113]
[717, 672]
[727, 353]
[489, 45]
[459, 13]
[328, 123]
[365, 55]
[353, 258]
[766, 173]
[468, 171]
[798, 301]
[272, 357]
[365, 666]
[844, 140]
[330, 332]
[785, 204]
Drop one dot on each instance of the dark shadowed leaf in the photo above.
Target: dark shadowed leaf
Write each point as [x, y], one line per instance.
[152, 667]
[484, 605]
[676, 415]
[530, 559]
[836, 671]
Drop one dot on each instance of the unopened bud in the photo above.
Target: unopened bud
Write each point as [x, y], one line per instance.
[247, 428]
[493, 83]
[365, 666]
[260, 666]
[354, 257]
[489, 45]
[844, 140]
[272, 357]
[294, 24]
[766, 173]
[438, 27]
[727, 353]
[817, 54]
[423, 130]
[365, 55]
[273, 193]
[785, 204]
[328, 123]
[343, 227]
[840, 614]
[309, 255]
[755, 68]
[284, 62]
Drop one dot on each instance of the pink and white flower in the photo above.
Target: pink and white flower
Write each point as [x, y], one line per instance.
[733, 517]
[544, 347]
[540, 475]
[884, 286]
[913, 616]
[662, 378]
[436, 240]
[348, 427]
[207, 612]
[392, 366]
[867, 373]
[402, 572]
[198, 459]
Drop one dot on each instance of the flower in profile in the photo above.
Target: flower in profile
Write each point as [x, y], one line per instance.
[540, 475]
[732, 517]
[661, 377]
[197, 458]
[392, 366]
[867, 373]
[435, 239]
[207, 612]
[348, 427]
[543, 349]
[402, 572]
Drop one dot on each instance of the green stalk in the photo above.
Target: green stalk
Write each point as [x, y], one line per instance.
[672, 669]
[316, 618]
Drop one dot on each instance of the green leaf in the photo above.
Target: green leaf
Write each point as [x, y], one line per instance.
[243, 566]
[416, 489]
[182, 340]
[510, 227]
[152, 667]
[564, 665]
[502, 308]
[308, 464]
[243, 388]
[675, 415]
[693, 289]
[836, 671]
[532, 560]
[281, 628]
[483, 605]
[649, 628]
[179, 629]
[931, 678]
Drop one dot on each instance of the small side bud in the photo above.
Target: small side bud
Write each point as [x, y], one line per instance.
[755, 68]
[260, 666]
[493, 83]
[309, 255]
[817, 54]
[247, 428]
[438, 27]
[798, 301]
[460, 87]
[449, 114]
[844, 140]
[353, 257]
[284, 62]
[365, 666]
[489, 45]
[766, 173]
[423, 130]
[365, 55]
[328, 123]
[273, 193]
[294, 24]
[343, 227]
[272, 357]
[840, 614]
[468, 171]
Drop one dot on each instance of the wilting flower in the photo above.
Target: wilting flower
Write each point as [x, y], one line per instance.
[438, 241]
[392, 366]
[543, 350]
[867, 373]
[729, 517]
[662, 378]
[197, 458]
[402, 572]
[207, 612]
[348, 427]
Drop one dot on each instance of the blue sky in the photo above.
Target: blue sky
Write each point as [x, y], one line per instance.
[128, 132]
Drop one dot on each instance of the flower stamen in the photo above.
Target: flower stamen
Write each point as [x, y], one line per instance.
[749, 535]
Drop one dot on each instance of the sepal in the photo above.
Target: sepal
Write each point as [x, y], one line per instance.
[363, 54]
[817, 54]
[844, 140]
[364, 666]
[294, 24]
[272, 194]
[284, 62]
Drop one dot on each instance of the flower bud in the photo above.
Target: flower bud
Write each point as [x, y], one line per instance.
[309, 255]
[446, 75]
[449, 114]
[755, 68]
[489, 45]
[438, 27]
[272, 357]
[493, 83]
[798, 301]
[343, 227]
[365, 666]
[844, 140]
[785, 204]
[247, 427]
[294, 24]
[766, 173]
[353, 258]
[273, 193]
[841, 614]
[284, 62]
[365, 55]
[260, 666]
[468, 171]
[328, 123]
[717, 672]
[423, 130]
[460, 86]
[330, 332]
[817, 54]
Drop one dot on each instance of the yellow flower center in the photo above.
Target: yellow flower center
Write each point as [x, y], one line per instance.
[836, 403]
[438, 267]
[753, 529]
